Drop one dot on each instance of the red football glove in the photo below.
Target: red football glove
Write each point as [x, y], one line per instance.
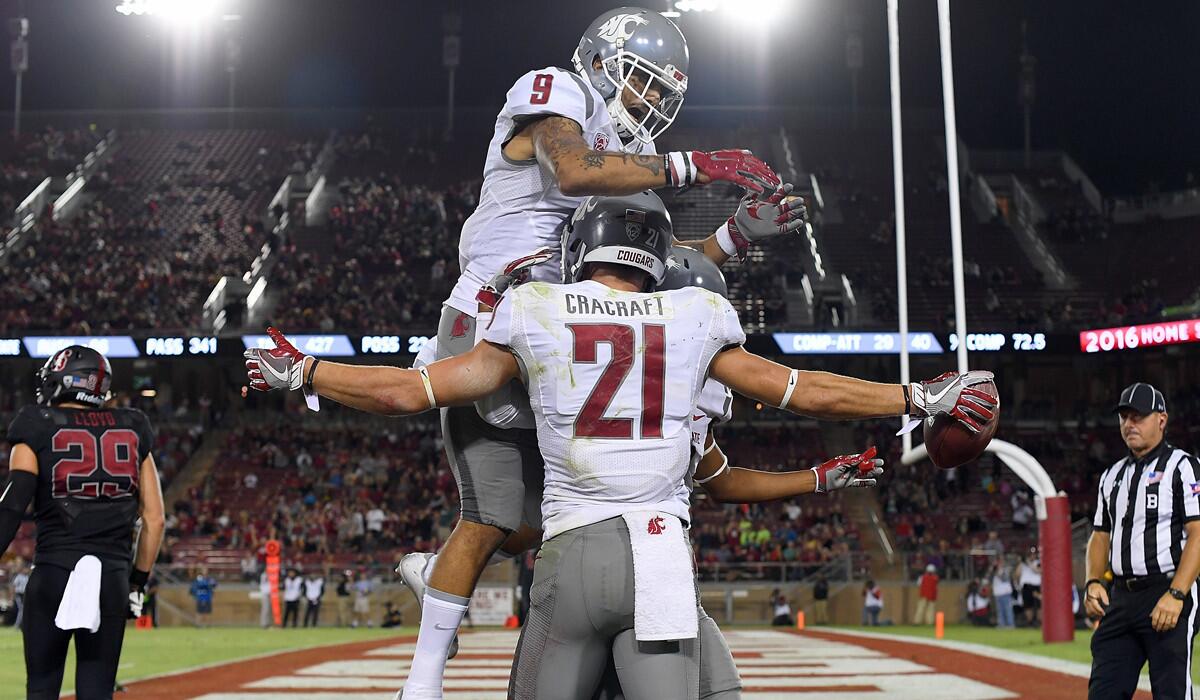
[757, 219]
[731, 165]
[513, 274]
[278, 368]
[848, 471]
[951, 393]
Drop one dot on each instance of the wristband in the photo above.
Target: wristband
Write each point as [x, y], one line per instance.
[793, 378]
[1088, 584]
[680, 170]
[428, 387]
[667, 170]
[312, 371]
[138, 578]
[1176, 593]
[725, 241]
[908, 411]
[724, 468]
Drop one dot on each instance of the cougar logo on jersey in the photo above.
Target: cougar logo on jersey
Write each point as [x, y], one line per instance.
[655, 526]
[617, 28]
[600, 143]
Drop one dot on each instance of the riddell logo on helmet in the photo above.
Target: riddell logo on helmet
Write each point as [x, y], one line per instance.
[618, 27]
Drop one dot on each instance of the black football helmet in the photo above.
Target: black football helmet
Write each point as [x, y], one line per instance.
[633, 230]
[75, 373]
[688, 267]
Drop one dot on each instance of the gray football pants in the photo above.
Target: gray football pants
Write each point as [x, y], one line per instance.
[499, 472]
[719, 679]
[581, 615]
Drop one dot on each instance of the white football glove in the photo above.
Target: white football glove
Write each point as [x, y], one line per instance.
[137, 600]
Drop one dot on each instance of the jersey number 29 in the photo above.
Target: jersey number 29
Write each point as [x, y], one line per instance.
[94, 468]
[591, 421]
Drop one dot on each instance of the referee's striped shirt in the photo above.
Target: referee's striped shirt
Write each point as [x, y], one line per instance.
[1144, 505]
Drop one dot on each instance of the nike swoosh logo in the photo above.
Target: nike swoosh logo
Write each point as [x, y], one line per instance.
[931, 399]
[698, 417]
[438, 626]
[267, 366]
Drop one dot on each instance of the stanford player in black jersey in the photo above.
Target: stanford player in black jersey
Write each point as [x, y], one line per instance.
[89, 473]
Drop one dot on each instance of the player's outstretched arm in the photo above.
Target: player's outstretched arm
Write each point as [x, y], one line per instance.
[738, 485]
[835, 397]
[559, 147]
[389, 391]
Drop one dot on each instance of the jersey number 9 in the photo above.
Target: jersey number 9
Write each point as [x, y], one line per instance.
[542, 83]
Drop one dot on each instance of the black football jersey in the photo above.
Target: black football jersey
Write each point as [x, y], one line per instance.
[89, 463]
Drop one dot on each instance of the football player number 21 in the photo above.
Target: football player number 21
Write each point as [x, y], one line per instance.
[542, 82]
[93, 468]
[591, 421]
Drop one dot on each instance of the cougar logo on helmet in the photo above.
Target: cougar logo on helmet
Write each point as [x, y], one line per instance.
[617, 28]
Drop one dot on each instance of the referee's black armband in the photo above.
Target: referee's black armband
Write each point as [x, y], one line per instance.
[15, 497]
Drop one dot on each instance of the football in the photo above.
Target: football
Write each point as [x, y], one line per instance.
[950, 444]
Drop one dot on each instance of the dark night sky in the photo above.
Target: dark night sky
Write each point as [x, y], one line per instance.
[1118, 86]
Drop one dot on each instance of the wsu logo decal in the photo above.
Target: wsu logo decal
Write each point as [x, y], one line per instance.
[617, 28]
[600, 143]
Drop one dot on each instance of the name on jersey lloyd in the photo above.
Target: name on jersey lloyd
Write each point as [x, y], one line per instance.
[578, 304]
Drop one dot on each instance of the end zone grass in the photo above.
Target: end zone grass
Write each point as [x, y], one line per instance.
[154, 652]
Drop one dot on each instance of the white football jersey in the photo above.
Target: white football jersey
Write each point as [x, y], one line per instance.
[613, 378]
[520, 206]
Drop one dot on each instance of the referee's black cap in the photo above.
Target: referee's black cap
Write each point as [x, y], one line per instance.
[1143, 398]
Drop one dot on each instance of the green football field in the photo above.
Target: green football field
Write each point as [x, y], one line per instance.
[151, 652]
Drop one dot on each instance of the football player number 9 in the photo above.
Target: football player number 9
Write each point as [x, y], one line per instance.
[542, 82]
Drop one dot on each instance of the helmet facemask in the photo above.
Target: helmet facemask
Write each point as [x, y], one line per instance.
[626, 69]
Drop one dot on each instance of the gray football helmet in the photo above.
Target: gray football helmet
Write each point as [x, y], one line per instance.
[634, 41]
[634, 230]
[688, 267]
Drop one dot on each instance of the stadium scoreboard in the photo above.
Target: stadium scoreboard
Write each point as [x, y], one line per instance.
[1024, 342]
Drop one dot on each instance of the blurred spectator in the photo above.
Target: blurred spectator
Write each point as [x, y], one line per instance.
[977, 604]
[293, 587]
[927, 586]
[821, 601]
[781, 610]
[314, 590]
[872, 604]
[1002, 592]
[202, 591]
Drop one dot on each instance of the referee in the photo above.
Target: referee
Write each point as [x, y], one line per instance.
[1147, 532]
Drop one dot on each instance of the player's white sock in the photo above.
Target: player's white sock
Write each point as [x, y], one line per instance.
[441, 614]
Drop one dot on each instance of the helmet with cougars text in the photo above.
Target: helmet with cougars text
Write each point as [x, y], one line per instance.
[75, 373]
[644, 52]
[688, 267]
[634, 230]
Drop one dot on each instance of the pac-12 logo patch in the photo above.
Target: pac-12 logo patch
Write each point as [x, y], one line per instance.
[600, 143]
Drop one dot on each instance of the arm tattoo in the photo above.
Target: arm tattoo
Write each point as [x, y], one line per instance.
[593, 160]
[556, 137]
[652, 163]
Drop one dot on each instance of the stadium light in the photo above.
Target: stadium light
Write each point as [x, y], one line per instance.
[181, 12]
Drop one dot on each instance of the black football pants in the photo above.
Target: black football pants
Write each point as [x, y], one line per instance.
[96, 654]
[1124, 641]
